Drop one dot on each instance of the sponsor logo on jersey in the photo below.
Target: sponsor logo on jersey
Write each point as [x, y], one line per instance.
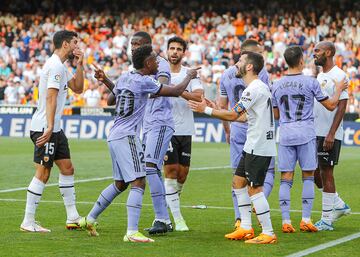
[186, 154]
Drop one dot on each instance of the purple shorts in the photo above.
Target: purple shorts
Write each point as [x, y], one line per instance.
[306, 154]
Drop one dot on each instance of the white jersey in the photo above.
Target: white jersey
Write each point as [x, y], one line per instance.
[54, 75]
[323, 117]
[182, 114]
[260, 137]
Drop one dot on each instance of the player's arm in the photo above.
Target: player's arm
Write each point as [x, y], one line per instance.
[276, 113]
[180, 88]
[332, 103]
[330, 138]
[194, 95]
[100, 76]
[226, 115]
[51, 101]
[76, 84]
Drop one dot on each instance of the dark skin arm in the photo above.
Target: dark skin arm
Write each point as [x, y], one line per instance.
[330, 138]
[276, 113]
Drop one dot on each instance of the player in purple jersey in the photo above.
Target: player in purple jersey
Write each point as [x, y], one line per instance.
[131, 94]
[231, 89]
[293, 101]
[157, 128]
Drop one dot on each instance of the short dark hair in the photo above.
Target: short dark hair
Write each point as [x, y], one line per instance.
[61, 36]
[143, 35]
[179, 40]
[140, 54]
[293, 55]
[257, 60]
[249, 43]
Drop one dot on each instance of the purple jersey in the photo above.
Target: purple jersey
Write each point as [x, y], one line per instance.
[131, 92]
[158, 109]
[294, 96]
[233, 87]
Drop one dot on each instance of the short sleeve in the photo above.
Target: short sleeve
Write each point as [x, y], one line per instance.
[223, 92]
[56, 73]
[164, 69]
[318, 93]
[195, 84]
[151, 86]
[247, 100]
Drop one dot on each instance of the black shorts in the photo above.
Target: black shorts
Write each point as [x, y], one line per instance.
[329, 158]
[253, 168]
[56, 149]
[179, 151]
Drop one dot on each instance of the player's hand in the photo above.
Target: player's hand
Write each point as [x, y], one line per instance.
[197, 106]
[211, 104]
[329, 142]
[342, 84]
[79, 56]
[193, 73]
[99, 73]
[44, 138]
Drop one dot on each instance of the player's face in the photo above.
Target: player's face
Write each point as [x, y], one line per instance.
[175, 53]
[74, 44]
[152, 63]
[136, 42]
[241, 67]
[319, 56]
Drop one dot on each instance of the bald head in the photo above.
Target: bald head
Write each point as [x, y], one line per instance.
[326, 46]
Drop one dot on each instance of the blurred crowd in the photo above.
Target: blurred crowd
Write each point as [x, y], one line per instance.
[214, 32]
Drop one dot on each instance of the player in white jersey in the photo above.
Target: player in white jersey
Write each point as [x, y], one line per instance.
[255, 107]
[50, 142]
[177, 158]
[329, 132]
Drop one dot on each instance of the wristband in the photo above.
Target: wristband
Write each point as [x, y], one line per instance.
[208, 110]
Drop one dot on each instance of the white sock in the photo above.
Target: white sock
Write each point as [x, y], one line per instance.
[328, 200]
[131, 232]
[338, 203]
[244, 205]
[320, 189]
[180, 188]
[67, 190]
[172, 197]
[286, 222]
[306, 220]
[262, 208]
[33, 197]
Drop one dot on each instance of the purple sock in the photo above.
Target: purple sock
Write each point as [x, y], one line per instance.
[133, 205]
[236, 205]
[104, 200]
[284, 198]
[308, 194]
[157, 193]
[269, 182]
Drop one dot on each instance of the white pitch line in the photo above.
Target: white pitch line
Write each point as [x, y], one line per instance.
[100, 179]
[149, 204]
[325, 245]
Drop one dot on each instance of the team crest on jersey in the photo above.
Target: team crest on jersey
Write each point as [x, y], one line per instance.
[46, 158]
[323, 84]
[156, 82]
[166, 158]
[57, 77]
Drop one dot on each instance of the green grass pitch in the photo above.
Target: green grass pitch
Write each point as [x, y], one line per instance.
[207, 186]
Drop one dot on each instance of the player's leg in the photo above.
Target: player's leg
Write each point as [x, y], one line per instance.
[287, 161]
[236, 150]
[66, 181]
[245, 230]
[157, 142]
[171, 170]
[258, 166]
[307, 157]
[134, 174]
[330, 210]
[43, 159]
[269, 179]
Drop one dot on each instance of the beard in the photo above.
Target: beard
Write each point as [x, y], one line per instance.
[241, 72]
[176, 61]
[320, 61]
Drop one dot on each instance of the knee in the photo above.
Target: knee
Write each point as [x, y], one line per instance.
[121, 185]
[239, 182]
[68, 170]
[254, 190]
[307, 174]
[140, 182]
[287, 176]
[44, 177]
